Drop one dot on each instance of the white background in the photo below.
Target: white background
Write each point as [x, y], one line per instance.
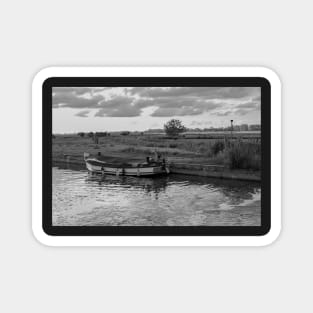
[37, 34]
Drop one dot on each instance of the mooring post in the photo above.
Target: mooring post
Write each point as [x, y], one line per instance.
[231, 129]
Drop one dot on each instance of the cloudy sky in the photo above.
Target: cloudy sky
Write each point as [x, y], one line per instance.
[140, 108]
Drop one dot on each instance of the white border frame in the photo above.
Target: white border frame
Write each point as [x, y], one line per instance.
[42, 237]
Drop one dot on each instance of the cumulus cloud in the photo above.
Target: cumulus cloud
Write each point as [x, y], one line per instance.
[79, 90]
[120, 106]
[74, 90]
[169, 101]
[223, 113]
[241, 111]
[207, 92]
[126, 111]
[248, 105]
[185, 107]
[257, 98]
[72, 100]
[83, 113]
[136, 90]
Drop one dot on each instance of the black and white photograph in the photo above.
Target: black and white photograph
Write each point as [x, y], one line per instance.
[156, 156]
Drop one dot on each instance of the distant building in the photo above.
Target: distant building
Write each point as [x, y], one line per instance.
[244, 127]
[255, 127]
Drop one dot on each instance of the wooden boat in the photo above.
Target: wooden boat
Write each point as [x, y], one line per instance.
[152, 168]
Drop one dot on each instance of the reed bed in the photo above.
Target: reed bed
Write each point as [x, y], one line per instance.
[235, 153]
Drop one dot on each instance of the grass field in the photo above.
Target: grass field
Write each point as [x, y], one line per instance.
[236, 153]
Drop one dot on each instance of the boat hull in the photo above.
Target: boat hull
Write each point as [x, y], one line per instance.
[98, 167]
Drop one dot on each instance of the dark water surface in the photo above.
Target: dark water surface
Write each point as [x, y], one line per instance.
[81, 199]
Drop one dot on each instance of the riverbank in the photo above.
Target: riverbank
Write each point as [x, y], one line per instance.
[215, 171]
[70, 150]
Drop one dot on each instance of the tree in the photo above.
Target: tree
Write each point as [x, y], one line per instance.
[101, 134]
[81, 134]
[174, 127]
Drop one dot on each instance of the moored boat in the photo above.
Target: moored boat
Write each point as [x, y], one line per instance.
[151, 168]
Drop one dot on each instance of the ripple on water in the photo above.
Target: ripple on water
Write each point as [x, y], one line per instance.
[83, 199]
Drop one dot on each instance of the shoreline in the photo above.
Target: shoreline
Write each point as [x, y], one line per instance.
[204, 170]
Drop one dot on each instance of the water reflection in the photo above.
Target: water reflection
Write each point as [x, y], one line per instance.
[230, 188]
[80, 198]
[148, 185]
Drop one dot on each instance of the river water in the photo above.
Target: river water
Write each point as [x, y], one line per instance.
[82, 199]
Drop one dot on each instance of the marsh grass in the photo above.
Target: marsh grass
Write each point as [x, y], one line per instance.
[244, 156]
[235, 153]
